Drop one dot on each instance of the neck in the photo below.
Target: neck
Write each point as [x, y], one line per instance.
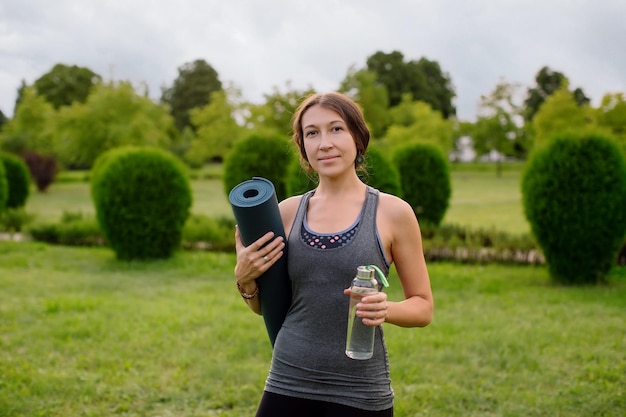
[343, 187]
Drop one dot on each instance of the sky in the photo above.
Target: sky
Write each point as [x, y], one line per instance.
[259, 46]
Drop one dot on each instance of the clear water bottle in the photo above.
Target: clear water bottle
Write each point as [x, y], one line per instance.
[360, 340]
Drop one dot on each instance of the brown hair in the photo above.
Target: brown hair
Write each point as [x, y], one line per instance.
[349, 112]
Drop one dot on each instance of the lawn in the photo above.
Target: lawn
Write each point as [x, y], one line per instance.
[479, 198]
[84, 335]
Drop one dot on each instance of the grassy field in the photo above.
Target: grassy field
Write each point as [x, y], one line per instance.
[479, 199]
[84, 335]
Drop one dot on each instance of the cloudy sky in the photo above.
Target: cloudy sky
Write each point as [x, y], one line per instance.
[259, 45]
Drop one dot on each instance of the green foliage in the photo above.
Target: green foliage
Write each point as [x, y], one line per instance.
[371, 96]
[30, 129]
[380, 173]
[559, 113]
[112, 116]
[209, 233]
[611, 115]
[192, 89]
[424, 180]
[216, 130]
[416, 121]
[574, 196]
[13, 220]
[497, 125]
[299, 181]
[547, 83]
[266, 156]
[142, 198]
[64, 84]
[74, 229]
[273, 117]
[4, 189]
[18, 178]
[423, 80]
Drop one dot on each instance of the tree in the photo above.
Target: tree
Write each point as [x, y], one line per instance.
[499, 125]
[611, 115]
[560, 113]
[216, 129]
[30, 128]
[114, 115]
[548, 82]
[192, 89]
[3, 120]
[423, 79]
[416, 121]
[274, 116]
[371, 96]
[64, 84]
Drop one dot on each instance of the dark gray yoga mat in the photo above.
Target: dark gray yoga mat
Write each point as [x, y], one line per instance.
[255, 207]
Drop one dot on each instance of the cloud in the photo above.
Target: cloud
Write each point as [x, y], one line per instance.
[262, 45]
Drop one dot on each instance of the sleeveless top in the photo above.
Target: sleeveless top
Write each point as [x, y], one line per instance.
[309, 359]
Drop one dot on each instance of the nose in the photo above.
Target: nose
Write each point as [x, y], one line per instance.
[325, 141]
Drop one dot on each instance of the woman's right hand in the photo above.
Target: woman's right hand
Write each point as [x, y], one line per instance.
[253, 260]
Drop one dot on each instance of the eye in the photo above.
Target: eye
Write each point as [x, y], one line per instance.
[310, 133]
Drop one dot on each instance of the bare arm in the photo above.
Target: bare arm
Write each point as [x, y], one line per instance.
[251, 261]
[402, 239]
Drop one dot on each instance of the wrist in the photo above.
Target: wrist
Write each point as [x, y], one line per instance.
[248, 295]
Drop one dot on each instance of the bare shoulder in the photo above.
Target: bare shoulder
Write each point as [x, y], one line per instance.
[394, 208]
[288, 208]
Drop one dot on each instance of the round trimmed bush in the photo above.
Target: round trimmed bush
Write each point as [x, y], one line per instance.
[380, 173]
[266, 156]
[4, 189]
[424, 180]
[574, 197]
[142, 198]
[298, 180]
[18, 178]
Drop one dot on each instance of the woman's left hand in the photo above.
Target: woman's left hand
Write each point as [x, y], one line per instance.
[372, 308]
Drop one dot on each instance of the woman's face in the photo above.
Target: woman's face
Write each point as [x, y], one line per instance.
[329, 145]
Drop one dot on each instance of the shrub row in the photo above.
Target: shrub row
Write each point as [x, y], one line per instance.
[443, 243]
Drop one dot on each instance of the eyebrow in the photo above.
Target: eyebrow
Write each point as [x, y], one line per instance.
[331, 122]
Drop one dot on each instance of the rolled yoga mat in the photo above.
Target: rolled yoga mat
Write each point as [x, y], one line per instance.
[255, 207]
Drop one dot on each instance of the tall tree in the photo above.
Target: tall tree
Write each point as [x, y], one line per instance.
[423, 79]
[611, 115]
[559, 114]
[274, 116]
[499, 126]
[3, 120]
[216, 128]
[65, 84]
[416, 121]
[114, 115]
[547, 82]
[192, 89]
[373, 98]
[30, 128]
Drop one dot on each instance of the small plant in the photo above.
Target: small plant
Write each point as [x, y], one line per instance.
[424, 180]
[574, 196]
[42, 168]
[142, 198]
[13, 220]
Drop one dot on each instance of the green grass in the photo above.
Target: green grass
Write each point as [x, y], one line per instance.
[84, 335]
[479, 198]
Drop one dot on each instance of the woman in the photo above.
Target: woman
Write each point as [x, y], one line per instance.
[331, 230]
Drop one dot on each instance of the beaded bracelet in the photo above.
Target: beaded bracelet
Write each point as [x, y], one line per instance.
[245, 294]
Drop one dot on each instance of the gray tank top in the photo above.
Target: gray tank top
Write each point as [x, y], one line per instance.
[309, 359]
